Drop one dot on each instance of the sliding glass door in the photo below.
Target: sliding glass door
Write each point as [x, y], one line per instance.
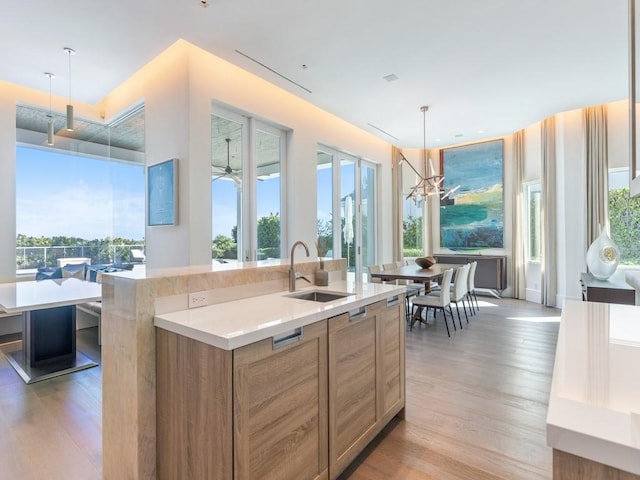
[347, 208]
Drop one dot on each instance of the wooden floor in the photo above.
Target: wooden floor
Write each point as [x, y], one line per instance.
[476, 402]
[476, 407]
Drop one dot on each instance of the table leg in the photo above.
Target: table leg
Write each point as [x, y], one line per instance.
[48, 345]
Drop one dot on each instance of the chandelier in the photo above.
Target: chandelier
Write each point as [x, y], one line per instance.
[430, 183]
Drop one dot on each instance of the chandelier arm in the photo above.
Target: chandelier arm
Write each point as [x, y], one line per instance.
[404, 159]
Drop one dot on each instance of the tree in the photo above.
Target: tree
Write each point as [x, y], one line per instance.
[624, 221]
[325, 237]
[412, 232]
[269, 236]
[223, 247]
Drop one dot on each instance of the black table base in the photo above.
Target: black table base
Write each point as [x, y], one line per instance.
[48, 345]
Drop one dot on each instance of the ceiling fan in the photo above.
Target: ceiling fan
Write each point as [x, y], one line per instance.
[227, 171]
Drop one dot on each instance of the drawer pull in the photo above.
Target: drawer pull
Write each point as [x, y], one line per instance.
[393, 301]
[286, 338]
[357, 314]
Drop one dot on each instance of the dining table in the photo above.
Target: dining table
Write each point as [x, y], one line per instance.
[49, 325]
[415, 273]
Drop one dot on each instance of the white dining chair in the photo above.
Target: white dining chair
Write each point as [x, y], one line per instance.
[459, 291]
[374, 269]
[471, 286]
[439, 302]
[412, 289]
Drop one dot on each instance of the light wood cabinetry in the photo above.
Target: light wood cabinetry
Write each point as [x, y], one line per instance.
[297, 406]
[193, 409]
[366, 378]
[280, 407]
[391, 367]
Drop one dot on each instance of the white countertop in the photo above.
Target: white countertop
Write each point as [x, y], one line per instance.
[594, 405]
[34, 295]
[234, 324]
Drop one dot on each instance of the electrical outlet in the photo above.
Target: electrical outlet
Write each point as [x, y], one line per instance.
[198, 299]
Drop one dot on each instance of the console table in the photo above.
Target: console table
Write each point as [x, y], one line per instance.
[491, 272]
[613, 290]
[48, 325]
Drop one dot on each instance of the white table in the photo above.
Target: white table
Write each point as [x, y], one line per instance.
[49, 325]
[594, 406]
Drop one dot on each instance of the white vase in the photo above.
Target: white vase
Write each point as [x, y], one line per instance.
[602, 256]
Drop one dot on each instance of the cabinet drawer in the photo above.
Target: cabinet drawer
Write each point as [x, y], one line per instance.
[280, 405]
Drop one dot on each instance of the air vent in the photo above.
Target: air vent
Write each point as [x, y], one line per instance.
[382, 131]
[392, 77]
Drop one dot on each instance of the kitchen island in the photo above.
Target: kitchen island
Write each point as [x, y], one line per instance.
[278, 386]
[593, 421]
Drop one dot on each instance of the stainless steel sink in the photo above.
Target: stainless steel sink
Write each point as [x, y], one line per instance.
[319, 295]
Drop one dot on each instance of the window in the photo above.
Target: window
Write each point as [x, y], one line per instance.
[412, 231]
[534, 208]
[324, 205]
[624, 217]
[246, 222]
[82, 196]
[346, 209]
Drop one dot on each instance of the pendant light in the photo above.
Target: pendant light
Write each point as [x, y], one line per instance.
[50, 116]
[429, 183]
[69, 51]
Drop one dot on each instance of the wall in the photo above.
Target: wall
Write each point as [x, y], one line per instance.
[203, 81]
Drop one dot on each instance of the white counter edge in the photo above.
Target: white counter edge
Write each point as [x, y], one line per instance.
[588, 431]
[174, 322]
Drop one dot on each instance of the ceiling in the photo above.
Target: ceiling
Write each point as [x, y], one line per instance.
[485, 68]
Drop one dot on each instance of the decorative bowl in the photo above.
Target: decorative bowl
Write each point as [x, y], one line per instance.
[425, 262]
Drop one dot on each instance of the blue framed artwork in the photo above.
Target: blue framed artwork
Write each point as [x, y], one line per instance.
[472, 217]
[162, 193]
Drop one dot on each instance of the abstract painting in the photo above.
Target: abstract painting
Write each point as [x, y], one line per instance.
[472, 216]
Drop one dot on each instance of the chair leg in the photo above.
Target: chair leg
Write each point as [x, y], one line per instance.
[444, 315]
[472, 309]
[453, 318]
[476, 297]
[416, 316]
[406, 309]
[465, 310]
[459, 318]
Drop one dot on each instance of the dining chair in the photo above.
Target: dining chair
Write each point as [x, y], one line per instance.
[471, 286]
[412, 289]
[439, 302]
[374, 269]
[459, 290]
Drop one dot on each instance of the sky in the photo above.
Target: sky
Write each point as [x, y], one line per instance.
[77, 196]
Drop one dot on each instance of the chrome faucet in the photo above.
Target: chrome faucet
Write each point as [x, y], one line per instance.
[293, 275]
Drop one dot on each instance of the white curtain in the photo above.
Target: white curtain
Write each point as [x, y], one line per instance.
[549, 202]
[597, 163]
[396, 204]
[518, 262]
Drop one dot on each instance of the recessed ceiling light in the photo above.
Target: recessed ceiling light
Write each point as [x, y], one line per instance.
[480, 131]
[392, 77]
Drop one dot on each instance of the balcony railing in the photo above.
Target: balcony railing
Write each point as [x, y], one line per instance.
[29, 258]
